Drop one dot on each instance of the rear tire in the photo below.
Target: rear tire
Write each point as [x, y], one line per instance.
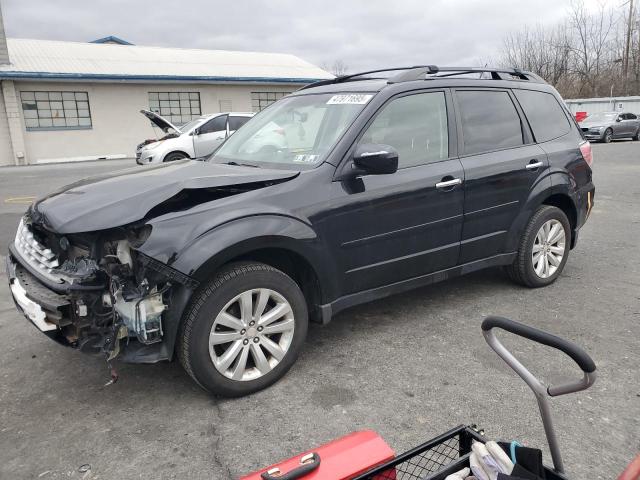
[231, 353]
[608, 136]
[174, 156]
[547, 239]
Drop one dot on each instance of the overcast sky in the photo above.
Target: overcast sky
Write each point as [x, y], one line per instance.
[362, 34]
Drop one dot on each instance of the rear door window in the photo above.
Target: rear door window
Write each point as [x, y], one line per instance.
[489, 120]
[545, 115]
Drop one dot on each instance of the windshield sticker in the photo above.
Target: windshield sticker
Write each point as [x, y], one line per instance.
[306, 158]
[349, 99]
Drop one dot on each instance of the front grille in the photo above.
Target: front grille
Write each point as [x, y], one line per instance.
[36, 255]
[585, 129]
[138, 154]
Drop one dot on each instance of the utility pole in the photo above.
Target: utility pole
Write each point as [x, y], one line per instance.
[625, 63]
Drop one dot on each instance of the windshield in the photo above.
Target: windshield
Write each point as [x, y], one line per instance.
[602, 117]
[295, 131]
[190, 125]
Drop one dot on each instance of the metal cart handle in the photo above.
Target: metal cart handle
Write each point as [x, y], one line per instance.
[578, 355]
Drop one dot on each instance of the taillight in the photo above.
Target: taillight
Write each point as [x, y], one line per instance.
[587, 154]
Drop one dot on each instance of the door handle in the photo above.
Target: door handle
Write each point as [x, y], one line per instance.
[449, 183]
[533, 165]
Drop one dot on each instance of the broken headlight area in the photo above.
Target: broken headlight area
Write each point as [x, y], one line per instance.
[107, 293]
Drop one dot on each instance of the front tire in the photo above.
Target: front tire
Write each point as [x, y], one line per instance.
[636, 137]
[543, 250]
[174, 156]
[608, 136]
[243, 330]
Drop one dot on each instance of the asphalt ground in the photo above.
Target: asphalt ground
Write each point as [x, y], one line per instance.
[410, 367]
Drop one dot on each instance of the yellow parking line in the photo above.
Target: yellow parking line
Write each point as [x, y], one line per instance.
[25, 200]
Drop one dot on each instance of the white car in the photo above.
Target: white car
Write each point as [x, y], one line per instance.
[197, 138]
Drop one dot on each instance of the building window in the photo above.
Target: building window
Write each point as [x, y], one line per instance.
[261, 100]
[53, 110]
[176, 107]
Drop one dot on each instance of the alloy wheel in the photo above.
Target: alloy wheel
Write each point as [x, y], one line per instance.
[252, 334]
[548, 248]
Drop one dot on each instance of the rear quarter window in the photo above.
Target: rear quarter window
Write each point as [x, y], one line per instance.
[546, 117]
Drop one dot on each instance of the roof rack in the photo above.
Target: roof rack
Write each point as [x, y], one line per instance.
[435, 72]
[429, 72]
[353, 76]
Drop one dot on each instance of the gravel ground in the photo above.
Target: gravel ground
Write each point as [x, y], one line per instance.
[410, 367]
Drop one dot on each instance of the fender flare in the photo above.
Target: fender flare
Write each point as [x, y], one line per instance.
[557, 183]
[207, 253]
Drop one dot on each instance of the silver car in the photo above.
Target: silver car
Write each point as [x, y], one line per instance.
[604, 127]
[195, 139]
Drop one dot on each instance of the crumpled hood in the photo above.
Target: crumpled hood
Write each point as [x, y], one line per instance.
[125, 196]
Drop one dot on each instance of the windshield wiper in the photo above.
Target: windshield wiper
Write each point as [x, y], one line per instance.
[241, 164]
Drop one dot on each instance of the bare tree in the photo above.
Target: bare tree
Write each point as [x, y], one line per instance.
[586, 54]
[593, 41]
[627, 47]
[544, 51]
[338, 67]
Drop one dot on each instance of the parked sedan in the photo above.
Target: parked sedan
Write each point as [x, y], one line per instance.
[197, 138]
[604, 127]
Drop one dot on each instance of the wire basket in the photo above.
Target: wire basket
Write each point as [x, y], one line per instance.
[433, 460]
[437, 458]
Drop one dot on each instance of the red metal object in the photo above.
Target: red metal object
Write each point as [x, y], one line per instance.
[580, 116]
[341, 459]
[632, 472]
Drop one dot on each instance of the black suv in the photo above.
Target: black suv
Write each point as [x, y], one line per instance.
[346, 191]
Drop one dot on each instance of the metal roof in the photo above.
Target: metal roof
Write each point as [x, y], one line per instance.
[602, 99]
[49, 59]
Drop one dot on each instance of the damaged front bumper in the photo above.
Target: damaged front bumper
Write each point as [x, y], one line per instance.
[128, 307]
[43, 307]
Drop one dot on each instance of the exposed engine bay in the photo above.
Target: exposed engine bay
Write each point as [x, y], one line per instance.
[107, 265]
[105, 295]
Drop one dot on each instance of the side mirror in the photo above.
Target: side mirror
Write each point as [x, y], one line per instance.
[375, 159]
[195, 132]
[618, 119]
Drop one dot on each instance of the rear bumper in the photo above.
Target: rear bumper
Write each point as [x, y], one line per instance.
[584, 201]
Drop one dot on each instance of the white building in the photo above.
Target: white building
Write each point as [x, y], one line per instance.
[604, 104]
[66, 101]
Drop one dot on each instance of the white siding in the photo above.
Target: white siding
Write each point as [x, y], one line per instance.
[596, 105]
[117, 124]
[6, 151]
[13, 112]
